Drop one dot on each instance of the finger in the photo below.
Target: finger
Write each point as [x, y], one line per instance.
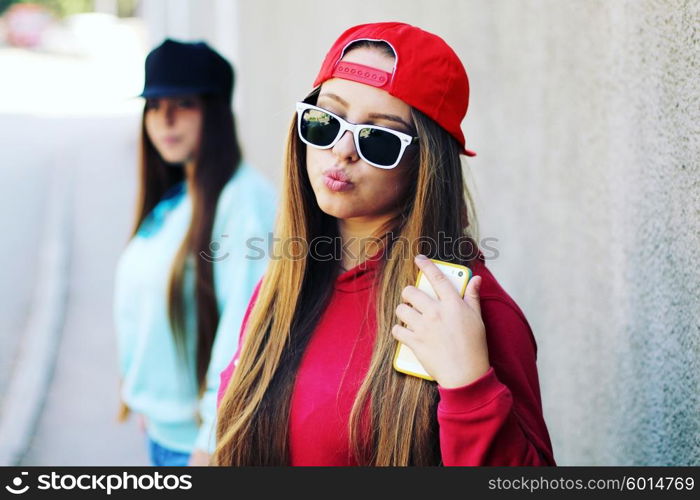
[471, 294]
[440, 283]
[420, 300]
[408, 315]
[403, 335]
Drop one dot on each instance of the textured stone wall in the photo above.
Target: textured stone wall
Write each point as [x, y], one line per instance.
[586, 119]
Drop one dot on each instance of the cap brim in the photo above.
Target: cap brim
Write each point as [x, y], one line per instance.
[171, 91]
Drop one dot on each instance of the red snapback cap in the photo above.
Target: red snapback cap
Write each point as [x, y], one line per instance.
[427, 73]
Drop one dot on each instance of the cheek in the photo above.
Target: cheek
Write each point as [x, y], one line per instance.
[149, 124]
[316, 161]
[194, 127]
[385, 188]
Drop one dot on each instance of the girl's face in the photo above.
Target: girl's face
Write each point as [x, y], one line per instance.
[174, 126]
[369, 192]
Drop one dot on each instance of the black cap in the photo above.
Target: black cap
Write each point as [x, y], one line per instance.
[180, 68]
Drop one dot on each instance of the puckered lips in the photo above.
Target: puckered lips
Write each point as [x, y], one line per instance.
[337, 180]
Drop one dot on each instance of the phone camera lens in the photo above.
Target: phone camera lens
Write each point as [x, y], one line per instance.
[461, 273]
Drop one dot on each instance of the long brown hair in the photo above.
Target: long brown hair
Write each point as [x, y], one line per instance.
[217, 160]
[253, 416]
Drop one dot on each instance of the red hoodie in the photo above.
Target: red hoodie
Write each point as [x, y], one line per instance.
[495, 420]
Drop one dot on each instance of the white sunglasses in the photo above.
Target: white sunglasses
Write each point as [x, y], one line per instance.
[381, 147]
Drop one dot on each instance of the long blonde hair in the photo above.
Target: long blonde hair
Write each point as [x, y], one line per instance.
[253, 416]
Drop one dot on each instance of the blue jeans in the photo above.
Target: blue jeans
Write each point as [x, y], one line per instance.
[165, 457]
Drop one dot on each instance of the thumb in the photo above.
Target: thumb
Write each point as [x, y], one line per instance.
[471, 294]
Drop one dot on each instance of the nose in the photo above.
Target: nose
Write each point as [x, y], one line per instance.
[345, 149]
[170, 114]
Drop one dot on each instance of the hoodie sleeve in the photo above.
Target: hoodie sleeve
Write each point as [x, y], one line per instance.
[497, 419]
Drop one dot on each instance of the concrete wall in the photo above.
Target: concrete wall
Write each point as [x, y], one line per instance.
[586, 119]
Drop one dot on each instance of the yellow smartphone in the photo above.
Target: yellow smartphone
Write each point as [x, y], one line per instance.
[404, 359]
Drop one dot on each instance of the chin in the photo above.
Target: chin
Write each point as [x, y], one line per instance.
[178, 161]
[175, 159]
[334, 210]
[338, 208]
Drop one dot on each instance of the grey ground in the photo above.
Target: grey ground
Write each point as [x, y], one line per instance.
[93, 157]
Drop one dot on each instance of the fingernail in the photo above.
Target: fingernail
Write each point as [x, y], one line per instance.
[420, 256]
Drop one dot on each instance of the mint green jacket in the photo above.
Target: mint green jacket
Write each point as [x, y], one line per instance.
[156, 382]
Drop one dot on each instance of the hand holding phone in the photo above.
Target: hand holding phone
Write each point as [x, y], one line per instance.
[405, 361]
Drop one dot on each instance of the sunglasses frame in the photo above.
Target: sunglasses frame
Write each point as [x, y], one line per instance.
[405, 139]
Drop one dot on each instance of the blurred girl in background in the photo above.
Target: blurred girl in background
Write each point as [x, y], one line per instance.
[184, 279]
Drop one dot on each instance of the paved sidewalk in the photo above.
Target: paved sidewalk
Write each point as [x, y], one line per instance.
[68, 125]
[22, 211]
[77, 425]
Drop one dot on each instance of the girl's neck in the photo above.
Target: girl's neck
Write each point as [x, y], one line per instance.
[358, 236]
[189, 172]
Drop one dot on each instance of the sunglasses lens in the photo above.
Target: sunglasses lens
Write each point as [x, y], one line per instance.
[379, 146]
[318, 128]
